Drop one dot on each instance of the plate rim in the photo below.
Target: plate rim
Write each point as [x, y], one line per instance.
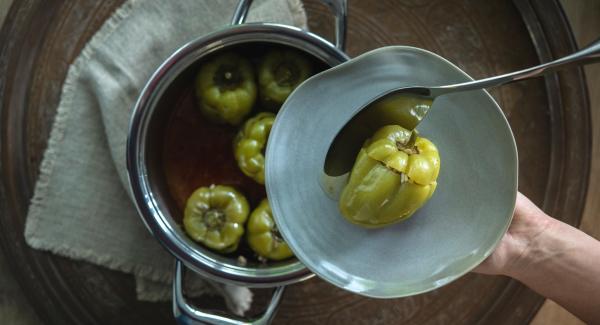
[436, 284]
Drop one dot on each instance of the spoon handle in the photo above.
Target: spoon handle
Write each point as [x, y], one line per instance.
[589, 54]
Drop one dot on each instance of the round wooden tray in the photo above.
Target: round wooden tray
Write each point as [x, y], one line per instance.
[550, 119]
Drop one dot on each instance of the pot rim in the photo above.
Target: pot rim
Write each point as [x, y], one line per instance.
[157, 219]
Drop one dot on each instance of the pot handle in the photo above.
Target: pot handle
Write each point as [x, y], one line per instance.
[338, 7]
[189, 315]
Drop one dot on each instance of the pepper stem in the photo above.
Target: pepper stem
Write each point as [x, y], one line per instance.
[228, 77]
[286, 74]
[409, 147]
[214, 219]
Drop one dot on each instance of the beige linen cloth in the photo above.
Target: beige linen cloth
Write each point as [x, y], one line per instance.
[81, 208]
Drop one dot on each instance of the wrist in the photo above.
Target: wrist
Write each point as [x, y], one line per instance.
[530, 244]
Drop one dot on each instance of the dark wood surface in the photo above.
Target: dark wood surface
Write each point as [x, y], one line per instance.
[550, 119]
[584, 18]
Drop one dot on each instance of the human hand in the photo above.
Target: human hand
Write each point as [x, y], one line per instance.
[554, 259]
[528, 224]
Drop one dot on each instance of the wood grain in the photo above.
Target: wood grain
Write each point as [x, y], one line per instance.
[483, 38]
[14, 307]
[4, 6]
[584, 16]
[585, 22]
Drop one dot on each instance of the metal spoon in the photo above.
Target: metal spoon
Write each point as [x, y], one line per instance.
[407, 106]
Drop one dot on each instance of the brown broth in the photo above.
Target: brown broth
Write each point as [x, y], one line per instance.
[199, 153]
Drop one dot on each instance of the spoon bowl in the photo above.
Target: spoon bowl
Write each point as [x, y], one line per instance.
[408, 106]
[404, 106]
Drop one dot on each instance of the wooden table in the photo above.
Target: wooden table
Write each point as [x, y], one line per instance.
[369, 35]
[584, 16]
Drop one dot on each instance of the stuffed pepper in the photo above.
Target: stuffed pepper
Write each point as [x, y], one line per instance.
[394, 175]
[263, 236]
[215, 217]
[226, 89]
[279, 73]
[250, 143]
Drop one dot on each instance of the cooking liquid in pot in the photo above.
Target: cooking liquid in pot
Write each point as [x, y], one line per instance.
[197, 152]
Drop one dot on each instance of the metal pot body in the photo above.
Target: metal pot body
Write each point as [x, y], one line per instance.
[146, 176]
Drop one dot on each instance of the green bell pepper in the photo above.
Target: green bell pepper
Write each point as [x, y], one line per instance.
[226, 89]
[263, 236]
[250, 143]
[394, 175]
[279, 73]
[400, 109]
[215, 217]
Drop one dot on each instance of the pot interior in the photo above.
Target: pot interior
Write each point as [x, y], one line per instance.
[185, 151]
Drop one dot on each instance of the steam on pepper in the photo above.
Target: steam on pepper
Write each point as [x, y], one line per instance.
[263, 236]
[226, 89]
[280, 72]
[250, 143]
[394, 175]
[215, 217]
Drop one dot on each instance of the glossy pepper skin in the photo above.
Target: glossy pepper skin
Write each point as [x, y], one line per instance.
[226, 88]
[250, 143]
[263, 236]
[394, 175]
[215, 217]
[279, 73]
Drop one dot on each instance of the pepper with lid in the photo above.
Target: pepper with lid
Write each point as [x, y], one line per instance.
[215, 217]
[394, 174]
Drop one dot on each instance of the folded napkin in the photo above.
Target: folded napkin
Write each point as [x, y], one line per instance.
[81, 208]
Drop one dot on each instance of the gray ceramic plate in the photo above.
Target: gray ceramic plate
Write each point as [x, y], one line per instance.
[456, 230]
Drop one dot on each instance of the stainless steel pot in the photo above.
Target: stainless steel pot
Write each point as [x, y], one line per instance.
[147, 180]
